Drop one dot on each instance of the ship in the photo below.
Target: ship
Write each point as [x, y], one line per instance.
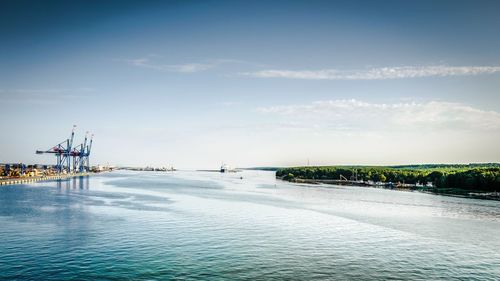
[224, 168]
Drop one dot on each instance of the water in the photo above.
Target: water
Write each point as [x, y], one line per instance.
[211, 226]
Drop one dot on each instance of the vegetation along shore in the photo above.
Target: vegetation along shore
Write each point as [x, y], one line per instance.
[471, 180]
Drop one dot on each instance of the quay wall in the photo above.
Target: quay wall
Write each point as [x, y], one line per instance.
[12, 181]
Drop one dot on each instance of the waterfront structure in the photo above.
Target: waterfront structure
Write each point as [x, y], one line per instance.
[81, 155]
[65, 150]
[224, 168]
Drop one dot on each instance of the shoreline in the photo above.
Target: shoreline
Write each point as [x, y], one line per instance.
[434, 191]
[15, 181]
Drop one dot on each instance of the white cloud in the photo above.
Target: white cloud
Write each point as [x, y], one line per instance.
[377, 73]
[148, 62]
[191, 67]
[354, 114]
[183, 68]
[44, 95]
[228, 103]
[46, 91]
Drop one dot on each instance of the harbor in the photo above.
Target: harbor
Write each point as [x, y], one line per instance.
[119, 225]
[249, 140]
[72, 161]
[28, 180]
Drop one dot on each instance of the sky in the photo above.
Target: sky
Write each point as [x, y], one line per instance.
[194, 84]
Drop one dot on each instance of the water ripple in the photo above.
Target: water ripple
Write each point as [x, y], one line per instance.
[208, 226]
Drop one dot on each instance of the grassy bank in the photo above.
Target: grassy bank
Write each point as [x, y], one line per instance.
[445, 179]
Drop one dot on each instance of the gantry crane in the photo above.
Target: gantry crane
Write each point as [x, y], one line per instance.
[65, 150]
[81, 155]
[84, 160]
[77, 153]
[62, 152]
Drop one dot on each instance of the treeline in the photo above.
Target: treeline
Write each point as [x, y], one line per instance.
[448, 166]
[480, 178]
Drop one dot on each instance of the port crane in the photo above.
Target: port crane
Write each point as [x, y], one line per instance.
[65, 150]
[62, 152]
[81, 155]
[85, 161]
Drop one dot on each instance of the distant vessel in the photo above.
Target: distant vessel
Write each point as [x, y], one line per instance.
[225, 168]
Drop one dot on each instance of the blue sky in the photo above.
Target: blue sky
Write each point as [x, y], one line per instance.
[252, 83]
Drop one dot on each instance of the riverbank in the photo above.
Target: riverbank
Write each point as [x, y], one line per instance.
[477, 180]
[13, 181]
[454, 192]
[134, 223]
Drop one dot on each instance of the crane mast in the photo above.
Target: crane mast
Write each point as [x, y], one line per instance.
[65, 150]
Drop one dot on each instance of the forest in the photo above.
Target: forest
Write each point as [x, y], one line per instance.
[475, 177]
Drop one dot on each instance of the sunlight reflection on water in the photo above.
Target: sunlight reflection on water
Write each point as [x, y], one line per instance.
[201, 225]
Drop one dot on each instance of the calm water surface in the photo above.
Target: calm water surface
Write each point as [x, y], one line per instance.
[211, 226]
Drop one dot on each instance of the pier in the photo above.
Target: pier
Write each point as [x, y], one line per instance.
[72, 161]
[13, 181]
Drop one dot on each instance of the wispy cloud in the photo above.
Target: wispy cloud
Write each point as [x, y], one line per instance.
[376, 73]
[153, 62]
[228, 103]
[45, 95]
[45, 90]
[184, 68]
[355, 114]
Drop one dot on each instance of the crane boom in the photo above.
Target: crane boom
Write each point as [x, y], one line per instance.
[65, 150]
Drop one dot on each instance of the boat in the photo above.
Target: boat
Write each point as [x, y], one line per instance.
[225, 168]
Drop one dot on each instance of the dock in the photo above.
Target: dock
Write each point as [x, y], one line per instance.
[13, 181]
